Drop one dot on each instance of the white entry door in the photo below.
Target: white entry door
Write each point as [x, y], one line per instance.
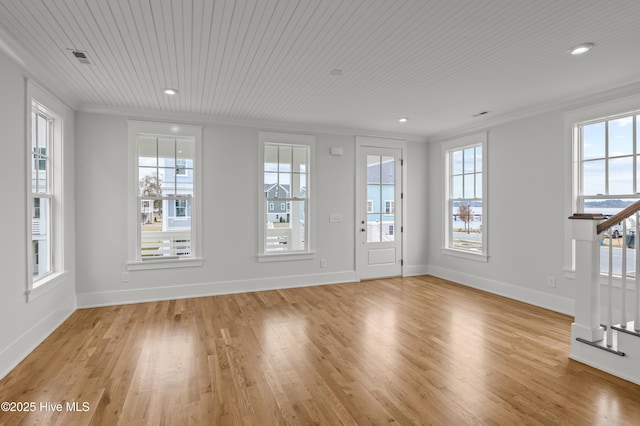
[380, 212]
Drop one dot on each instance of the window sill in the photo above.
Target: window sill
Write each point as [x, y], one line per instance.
[281, 257]
[478, 257]
[140, 265]
[45, 285]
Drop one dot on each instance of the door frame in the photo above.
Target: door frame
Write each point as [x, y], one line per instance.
[361, 196]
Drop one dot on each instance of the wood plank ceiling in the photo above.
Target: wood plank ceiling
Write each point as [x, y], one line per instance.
[438, 62]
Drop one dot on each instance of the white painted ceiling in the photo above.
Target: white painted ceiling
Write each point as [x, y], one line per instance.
[438, 62]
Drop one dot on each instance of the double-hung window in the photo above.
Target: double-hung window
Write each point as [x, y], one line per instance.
[466, 209]
[41, 192]
[45, 133]
[285, 196]
[609, 173]
[165, 195]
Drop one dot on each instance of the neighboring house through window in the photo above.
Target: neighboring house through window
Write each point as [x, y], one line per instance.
[165, 193]
[285, 211]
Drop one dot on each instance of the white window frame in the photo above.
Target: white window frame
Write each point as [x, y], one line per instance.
[43, 103]
[308, 252]
[447, 148]
[389, 207]
[136, 128]
[614, 108]
[369, 206]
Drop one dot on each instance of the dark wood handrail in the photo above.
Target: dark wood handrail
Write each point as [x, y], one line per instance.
[618, 217]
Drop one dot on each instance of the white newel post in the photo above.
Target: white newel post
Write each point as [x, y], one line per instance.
[587, 301]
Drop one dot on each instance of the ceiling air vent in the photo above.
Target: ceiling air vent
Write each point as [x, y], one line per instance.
[81, 56]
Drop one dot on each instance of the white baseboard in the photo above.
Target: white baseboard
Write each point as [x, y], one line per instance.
[122, 297]
[414, 270]
[20, 348]
[532, 297]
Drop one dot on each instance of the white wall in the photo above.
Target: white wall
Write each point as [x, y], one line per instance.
[230, 176]
[26, 324]
[527, 214]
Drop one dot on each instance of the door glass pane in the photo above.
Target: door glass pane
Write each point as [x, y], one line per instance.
[373, 169]
[388, 170]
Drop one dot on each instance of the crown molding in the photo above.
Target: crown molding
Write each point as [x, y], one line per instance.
[261, 125]
[563, 106]
[33, 69]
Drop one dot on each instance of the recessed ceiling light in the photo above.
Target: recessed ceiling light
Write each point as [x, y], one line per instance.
[403, 119]
[581, 49]
[170, 91]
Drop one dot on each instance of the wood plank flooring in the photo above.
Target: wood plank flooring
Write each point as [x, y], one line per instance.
[416, 350]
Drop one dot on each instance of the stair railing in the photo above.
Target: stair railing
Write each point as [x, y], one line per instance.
[586, 230]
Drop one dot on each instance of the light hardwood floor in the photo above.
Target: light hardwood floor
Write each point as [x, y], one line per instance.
[414, 350]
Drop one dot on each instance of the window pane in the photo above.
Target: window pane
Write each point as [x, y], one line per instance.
[299, 185]
[184, 184]
[285, 185]
[147, 151]
[166, 152]
[456, 187]
[300, 159]
[621, 175]
[149, 183]
[270, 158]
[43, 131]
[469, 160]
[40, 236]
[456, 162]
[39, 173]
[284, 226]
[594, 177]
[167, 180]
[466, 225]
[166, 227]
[478, 185]
[621, 137]
[270, 179]
[285, 157]
[478, 159]
[34, 132]
[593, 141]
[469, 191]
[185, 149]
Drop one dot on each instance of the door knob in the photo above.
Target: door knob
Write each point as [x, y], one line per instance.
[363, 230]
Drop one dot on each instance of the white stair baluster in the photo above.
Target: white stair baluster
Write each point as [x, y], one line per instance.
[609, 333]
[623, 296]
